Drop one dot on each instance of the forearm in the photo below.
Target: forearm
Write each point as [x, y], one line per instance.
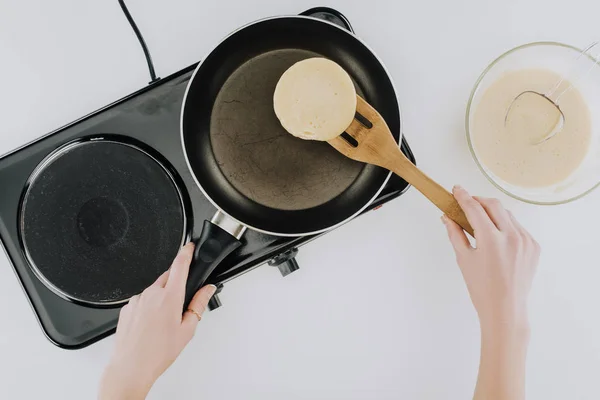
[503, 361]
[121, 385]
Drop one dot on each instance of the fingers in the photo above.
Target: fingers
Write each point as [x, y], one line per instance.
[497, 213]
[126, 312]
[179, 269]
[478, 218]
[133, 301]
[161, 281]
[457, 236]
[524, 231]
[517, 224]
[123, 318]
[198, 304]
[532, 245]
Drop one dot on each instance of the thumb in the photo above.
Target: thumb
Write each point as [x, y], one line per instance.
[457, 236]
[198, 305]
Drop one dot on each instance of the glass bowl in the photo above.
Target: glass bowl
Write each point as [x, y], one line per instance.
[562, 59]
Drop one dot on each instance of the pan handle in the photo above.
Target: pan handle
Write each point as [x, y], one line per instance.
[218, 239]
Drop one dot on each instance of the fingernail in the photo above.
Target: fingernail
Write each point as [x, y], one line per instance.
[213, 289]
[457, 187]
[444, 219]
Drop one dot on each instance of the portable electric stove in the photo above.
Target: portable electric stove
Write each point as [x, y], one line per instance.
[91, 213]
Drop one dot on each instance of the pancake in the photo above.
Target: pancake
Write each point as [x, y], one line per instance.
[315, 99]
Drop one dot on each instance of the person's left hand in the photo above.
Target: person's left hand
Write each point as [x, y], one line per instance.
[152, 332]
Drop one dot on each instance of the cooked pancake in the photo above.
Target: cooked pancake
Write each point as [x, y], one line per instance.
[315, 99]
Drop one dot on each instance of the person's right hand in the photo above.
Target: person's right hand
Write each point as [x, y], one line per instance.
[500, 270]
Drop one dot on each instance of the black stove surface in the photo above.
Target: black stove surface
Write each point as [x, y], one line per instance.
[149, 117]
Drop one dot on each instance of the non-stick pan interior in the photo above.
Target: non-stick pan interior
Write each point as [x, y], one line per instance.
[255, 153]
[242, 157]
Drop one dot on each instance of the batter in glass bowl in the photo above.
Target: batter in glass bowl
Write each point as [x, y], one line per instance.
[511, 140]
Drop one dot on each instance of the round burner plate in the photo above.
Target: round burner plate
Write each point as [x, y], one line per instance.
[100, 220]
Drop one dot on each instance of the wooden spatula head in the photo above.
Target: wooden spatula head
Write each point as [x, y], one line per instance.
[373, 137]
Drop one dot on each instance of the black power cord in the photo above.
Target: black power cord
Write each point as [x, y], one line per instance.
[153, 76]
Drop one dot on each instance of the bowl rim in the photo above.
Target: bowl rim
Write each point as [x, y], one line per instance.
[468, 133]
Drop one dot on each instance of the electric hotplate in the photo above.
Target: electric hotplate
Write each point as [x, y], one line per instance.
[92, 213]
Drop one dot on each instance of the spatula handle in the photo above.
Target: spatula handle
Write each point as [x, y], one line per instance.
[376, 145]
[439, 196]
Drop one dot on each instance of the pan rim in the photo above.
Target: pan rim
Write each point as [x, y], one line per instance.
[187, 161]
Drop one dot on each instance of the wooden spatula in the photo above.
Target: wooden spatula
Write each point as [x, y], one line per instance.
[377, 146]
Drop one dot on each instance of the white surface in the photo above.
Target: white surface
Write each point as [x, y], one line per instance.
[389, 319]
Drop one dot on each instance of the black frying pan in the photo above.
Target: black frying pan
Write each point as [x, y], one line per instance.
[256, 174]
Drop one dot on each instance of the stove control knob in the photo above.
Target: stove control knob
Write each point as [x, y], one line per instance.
[286, 262]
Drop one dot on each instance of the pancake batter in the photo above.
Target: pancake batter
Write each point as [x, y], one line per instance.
[512, 143]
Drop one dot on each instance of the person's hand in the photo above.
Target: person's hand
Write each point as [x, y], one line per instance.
[498, 272]
[152, 332]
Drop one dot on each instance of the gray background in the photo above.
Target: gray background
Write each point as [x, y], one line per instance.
[387, 319]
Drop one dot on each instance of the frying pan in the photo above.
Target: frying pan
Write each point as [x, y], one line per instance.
[256, 174]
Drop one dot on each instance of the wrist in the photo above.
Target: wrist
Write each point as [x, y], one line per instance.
[502, 365]
[122, 384]
[507, 317]
[512, 329]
